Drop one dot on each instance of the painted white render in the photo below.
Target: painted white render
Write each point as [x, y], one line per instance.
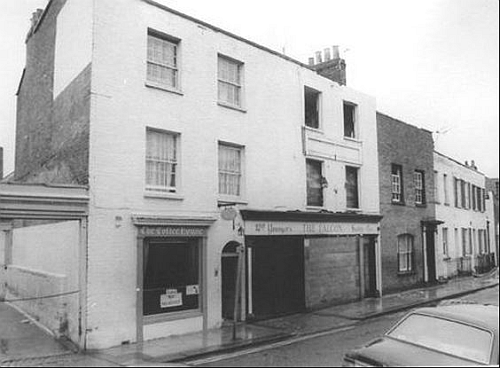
[270, 127]
[73, 49]
[456, 219]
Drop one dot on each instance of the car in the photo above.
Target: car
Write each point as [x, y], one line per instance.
[448, 335]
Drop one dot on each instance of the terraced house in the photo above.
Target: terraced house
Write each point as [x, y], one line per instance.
[161, 159]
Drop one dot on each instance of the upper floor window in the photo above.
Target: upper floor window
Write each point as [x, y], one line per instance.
[312, 107]
[405, 253]
[418, 179]
[397, 183]
[230, 81]
[163, 61]
[230, 170]
[436, 186]
[351, 187]
[445, 241]
[445, 186]
[456, 191]
[161, 161]
[462, 194]
[479, 202]
[314, 183]
[349, 120]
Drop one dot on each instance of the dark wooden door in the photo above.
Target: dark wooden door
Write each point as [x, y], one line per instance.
[369, 264]
[431, 256]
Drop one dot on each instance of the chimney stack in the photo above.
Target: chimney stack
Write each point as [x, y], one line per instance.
[331, 66]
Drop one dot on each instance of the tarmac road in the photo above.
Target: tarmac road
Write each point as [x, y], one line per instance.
[326, 350]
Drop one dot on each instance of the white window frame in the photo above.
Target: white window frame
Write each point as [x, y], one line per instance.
[418, 181]
[175, 162]
[354, 118]
[240, 175]
[397, 184]
[446, 193]
[238, 85]
[173, 42]
[408, 241]
[446, 248]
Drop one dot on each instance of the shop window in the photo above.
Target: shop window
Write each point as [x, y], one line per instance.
[230, 170]
[312, 107]
[230, 81]
[405, 253]
[397, 183]
[419, 182]
[349, 120]
[314, 183]
[161, 161]
[171, 276]
[162, 60]
[351, 186]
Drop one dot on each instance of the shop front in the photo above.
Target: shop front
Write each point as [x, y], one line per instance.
[300, 261]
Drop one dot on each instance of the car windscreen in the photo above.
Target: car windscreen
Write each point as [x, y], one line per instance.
[444, 335]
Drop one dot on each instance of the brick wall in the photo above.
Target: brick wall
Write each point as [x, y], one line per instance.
[51, 135]
[331, 271]
[412, 148]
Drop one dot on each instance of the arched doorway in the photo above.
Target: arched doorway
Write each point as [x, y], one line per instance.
[229, 270]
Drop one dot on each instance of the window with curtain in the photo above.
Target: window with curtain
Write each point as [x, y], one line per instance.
[230, 170]
[171, 276]
[349, 120]
[229, 81]
[351, 186]
[405, 253]
[161, 161]
[314, 183]
[162, 61]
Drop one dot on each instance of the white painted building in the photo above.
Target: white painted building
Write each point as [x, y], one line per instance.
[190, 124]
[465, 241]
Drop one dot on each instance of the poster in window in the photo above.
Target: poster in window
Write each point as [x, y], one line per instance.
[192, 290]
[172, 298]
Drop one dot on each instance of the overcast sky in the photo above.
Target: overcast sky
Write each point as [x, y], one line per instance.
[431, 63]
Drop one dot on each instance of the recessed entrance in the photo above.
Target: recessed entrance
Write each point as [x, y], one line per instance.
[229, 275]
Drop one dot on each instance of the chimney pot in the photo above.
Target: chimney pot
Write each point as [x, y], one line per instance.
[336, 53]
[311, 61]
[318, 57]
[327, 55]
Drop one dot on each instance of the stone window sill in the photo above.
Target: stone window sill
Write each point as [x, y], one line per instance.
[163, 88]
[231, 107]
[162, 195]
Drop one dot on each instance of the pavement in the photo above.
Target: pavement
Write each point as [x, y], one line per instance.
[23, 343]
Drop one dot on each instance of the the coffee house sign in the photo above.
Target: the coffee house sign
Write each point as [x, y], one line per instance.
[309, 228]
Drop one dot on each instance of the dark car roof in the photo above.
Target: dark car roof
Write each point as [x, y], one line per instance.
[485, 316]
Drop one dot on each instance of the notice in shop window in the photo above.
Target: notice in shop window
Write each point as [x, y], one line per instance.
[192, 290]
[172, 298]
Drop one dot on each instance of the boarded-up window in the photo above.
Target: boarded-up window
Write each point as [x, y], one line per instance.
[311, 97]
[351, 187]
[314, 183]
[349, 120]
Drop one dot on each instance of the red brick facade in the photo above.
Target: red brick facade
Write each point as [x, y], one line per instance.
[411, 148]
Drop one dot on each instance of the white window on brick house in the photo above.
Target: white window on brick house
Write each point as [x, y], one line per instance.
[349, 120]
[230, 81]
[418, 179]
[230, 170]
[163, 61]
[161, 161]
[397, 183]
[405, 253]
[445, 241]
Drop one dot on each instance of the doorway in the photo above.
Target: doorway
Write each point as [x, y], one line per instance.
[369, 262]
[431, 255]
[278, 276]
[229, 266]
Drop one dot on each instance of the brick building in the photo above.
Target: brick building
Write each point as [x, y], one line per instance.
[181, 156]
[406, 204]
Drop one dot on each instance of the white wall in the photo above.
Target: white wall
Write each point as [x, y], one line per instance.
[270, 130]
[73, 51]
[453, 217]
